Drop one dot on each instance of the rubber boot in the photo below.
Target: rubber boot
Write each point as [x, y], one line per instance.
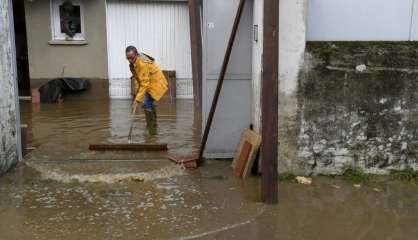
[151, 118]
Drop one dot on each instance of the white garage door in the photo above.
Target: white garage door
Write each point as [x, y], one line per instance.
[160, 28]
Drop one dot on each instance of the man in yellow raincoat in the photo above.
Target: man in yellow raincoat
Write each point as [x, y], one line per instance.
[148, 84]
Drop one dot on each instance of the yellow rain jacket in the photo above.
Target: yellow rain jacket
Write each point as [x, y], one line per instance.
[147, 77]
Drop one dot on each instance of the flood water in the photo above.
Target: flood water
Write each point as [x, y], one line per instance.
[64, 131]
[208, 203]
[66, 192]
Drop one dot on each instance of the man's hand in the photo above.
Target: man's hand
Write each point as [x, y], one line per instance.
[134, 106]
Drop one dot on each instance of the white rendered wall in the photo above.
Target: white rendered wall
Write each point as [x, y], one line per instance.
[292, 42]
[365, 20]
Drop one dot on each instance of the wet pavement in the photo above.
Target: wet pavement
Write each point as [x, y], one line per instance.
[66, 192]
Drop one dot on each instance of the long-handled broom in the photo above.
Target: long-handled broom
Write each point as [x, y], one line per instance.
[134, 107]
[130, 146]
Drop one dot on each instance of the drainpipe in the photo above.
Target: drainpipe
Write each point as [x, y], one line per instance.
[412, 22]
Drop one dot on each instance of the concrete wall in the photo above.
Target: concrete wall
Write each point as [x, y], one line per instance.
[335, 20]
[292, 42]
[48, 61]
[341, 104]
[8, 131]
[292, 39]
[358, 106]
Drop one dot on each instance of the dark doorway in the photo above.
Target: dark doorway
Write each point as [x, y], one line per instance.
[21, 47]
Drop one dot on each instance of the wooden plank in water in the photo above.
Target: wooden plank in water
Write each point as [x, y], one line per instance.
[255, 140]
[243, 159]
[128, 147]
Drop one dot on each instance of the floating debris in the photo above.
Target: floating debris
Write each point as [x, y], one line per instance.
[361, 68]
[304, 180]
[137, 178]
[120, 194]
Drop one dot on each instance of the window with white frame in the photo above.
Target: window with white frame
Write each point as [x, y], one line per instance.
[67, 20]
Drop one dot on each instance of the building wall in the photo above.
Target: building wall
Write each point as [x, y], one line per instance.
[50, 61]
[292, 24]
[357, 100]
[358, 106]
[336, 20]
[341, 104]
[292, 42]
[8, 118]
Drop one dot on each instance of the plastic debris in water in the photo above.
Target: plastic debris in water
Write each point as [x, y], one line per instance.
[120, 194]
[304, 180]
[361, 68]
[137, 179]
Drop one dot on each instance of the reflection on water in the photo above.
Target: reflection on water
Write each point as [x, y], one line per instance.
[64, 131]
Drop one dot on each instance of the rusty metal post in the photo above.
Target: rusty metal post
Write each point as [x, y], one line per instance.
[196, 47]
[270, 102]
[221, 78]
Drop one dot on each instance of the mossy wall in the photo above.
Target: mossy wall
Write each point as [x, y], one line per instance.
[357, 106]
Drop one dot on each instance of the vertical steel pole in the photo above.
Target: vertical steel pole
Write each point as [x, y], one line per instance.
[270, 101]
[196, 47]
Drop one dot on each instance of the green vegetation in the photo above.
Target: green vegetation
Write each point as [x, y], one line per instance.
[407, 174]
[356, 175]
[287, 177]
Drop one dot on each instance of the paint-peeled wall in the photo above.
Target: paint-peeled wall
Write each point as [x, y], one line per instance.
[8, 133]
[48, 60]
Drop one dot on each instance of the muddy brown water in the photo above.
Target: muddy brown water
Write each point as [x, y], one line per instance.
[208, 203]
[66, 192]
[64, 131]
